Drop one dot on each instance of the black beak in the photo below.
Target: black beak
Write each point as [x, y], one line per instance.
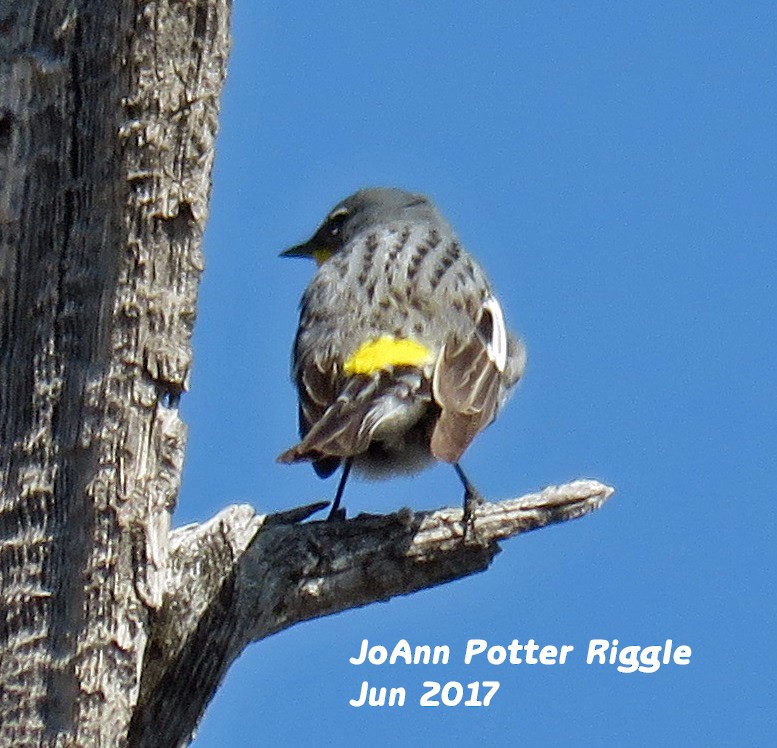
[301, 250]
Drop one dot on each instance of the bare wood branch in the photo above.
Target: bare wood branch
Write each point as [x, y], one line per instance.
[241, 577]
[375, 557]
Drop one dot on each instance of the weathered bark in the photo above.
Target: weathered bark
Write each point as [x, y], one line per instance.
[107, 121]
[113, 630]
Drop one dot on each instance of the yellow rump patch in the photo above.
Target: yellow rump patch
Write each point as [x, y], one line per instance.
[385, 352]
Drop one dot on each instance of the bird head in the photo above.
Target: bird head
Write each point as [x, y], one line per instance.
[360, 212]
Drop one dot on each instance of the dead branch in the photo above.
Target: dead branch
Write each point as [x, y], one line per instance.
[241, 577]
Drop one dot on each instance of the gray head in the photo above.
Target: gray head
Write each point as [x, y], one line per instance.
[360, 212]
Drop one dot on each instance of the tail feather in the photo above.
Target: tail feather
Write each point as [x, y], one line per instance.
[363, 408]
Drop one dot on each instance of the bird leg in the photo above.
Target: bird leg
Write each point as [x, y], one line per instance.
[335, 512]
[472, 499]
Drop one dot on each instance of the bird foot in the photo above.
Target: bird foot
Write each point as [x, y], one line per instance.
[472, 500]
[336, 514]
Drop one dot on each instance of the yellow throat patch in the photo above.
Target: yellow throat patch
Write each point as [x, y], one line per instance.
[321, 255]
[385, 352]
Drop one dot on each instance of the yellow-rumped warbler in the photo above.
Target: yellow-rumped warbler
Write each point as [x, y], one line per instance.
[402, 355]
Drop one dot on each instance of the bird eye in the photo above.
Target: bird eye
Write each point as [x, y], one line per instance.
[335, 223]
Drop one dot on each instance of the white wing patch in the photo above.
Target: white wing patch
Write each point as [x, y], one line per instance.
[497, 346]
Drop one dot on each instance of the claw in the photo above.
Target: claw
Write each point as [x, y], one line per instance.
[336, 515]
[472, 500]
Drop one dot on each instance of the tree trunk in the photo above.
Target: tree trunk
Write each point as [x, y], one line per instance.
[108, 114]
[114, 630]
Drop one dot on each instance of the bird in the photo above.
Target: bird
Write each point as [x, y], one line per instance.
[402, 355]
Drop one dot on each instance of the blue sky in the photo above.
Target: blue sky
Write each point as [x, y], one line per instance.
[614, 168]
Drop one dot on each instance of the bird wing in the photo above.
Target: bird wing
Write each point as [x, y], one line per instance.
[342, 428]
[317, 384]
[468, 382]
[366, 405]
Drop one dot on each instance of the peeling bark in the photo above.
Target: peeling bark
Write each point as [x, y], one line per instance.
[108, 115]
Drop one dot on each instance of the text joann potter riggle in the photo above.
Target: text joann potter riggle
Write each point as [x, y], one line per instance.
[632, 658]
